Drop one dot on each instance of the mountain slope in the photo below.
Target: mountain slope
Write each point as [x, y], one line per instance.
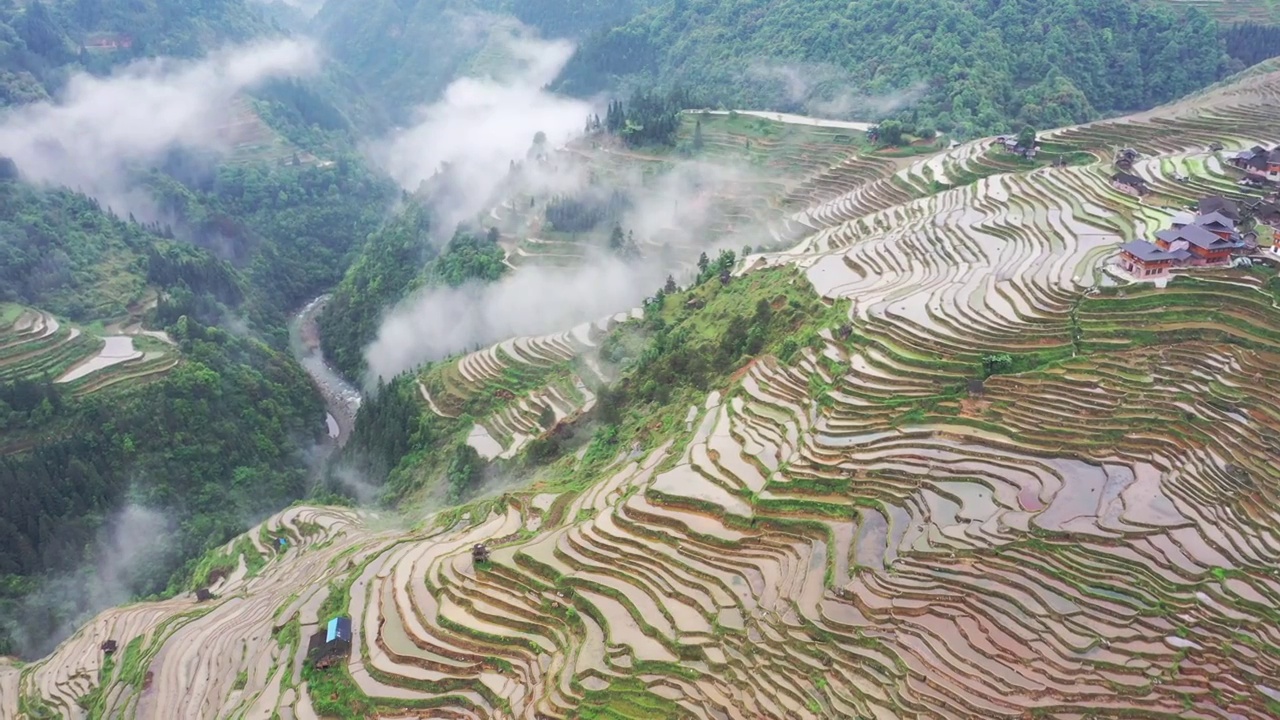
[970, 66]
[41, 42]
[405, 53]
[958, 474]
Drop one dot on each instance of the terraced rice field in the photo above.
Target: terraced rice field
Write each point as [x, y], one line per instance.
[250, 139]
[34, 345]
[749, 169]
[870, 531]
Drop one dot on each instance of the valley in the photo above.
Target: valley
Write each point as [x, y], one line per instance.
[966, 467]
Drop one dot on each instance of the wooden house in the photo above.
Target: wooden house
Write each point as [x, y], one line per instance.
[1259, 163]
[1217, 203]
[1143, 259]
[1191, 241]
[1129, 183]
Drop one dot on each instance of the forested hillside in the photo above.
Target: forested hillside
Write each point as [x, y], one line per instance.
[398, 259]
[964, 66]
[58, 249]
[406, 52]
[212, 443]
[42, 43]
[292, 230]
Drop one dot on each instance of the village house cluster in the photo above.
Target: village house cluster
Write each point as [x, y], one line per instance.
[1210, 236]
[1259, 164]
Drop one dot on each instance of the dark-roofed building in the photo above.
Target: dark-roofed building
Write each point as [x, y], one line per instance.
[1219, 204]
[331, 644]
[1218, 224]
[1208, 239]
[1259, 162]
[1129, 183]
[1267, 213]
[1143, 259]
[1206, 247]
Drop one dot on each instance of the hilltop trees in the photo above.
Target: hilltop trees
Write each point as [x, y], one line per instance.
[581, 214]
[1251, 43]
[649, 118]
[623, 245]
[469, 256]
[889, 133]
[1027, 138]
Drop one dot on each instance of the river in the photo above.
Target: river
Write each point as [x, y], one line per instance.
[341, 398]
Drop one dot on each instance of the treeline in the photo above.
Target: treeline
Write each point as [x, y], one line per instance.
[291, 231]
[648, 117]
[470, 256]
[968, 67]
[582, 214]
[60, 250]
[398, 448]
[1251, 43]
[391, 424]
[174, 265]
[213, 445]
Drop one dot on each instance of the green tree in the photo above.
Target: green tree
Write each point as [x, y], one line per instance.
[996, 363]
[889, 133]
[1027, 137]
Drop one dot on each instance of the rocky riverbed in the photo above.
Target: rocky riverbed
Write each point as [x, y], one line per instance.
[341, 398]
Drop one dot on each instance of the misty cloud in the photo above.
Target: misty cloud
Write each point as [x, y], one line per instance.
[827, 90]
[531, 301]
[131, 541]
[674, 216]
[481, 125]
[89, 137]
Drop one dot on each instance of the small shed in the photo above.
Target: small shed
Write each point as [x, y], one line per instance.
[331, 644]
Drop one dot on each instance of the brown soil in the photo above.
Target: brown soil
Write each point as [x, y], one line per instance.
[742, 371]
[972, 408]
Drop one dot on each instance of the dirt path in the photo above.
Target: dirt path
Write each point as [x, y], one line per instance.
[795, 119]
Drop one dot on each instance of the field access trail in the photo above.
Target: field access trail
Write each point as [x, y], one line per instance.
[795, 119]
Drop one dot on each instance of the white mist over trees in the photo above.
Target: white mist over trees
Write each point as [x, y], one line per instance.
[481, 124]
[100, 127]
